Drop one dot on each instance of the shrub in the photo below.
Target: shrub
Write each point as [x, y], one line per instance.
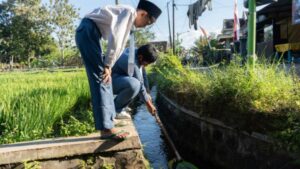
[265, 99]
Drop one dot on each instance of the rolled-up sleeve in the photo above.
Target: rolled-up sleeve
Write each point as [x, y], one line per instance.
[146, 81]
[143, 92]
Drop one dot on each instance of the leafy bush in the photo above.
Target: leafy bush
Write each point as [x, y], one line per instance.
[265, 99]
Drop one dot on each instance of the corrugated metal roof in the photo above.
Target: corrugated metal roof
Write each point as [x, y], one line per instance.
[259, 2]
[281, 5]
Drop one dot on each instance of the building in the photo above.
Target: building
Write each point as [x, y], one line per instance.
[161, 46]
[226, 36]
[276, 31]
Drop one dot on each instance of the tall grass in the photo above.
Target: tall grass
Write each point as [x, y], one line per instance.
[265, 99]
[265, 89]
[31, 103]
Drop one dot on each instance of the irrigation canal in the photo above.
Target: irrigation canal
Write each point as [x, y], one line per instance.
[156, 149]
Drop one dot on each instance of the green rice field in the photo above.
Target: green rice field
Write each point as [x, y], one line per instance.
[35, 105]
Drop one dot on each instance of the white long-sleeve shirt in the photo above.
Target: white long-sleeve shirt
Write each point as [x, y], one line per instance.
[114, 23]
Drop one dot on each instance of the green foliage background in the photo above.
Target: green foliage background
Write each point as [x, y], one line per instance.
[32, 30]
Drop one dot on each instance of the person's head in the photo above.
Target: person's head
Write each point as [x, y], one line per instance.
[147, 13]
[147, 54]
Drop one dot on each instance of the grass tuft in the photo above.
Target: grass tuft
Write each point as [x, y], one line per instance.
[265, 99]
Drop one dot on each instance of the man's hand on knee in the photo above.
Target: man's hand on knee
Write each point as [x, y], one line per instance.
[107, 75]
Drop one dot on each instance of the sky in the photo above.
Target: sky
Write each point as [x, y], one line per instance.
[211, 21]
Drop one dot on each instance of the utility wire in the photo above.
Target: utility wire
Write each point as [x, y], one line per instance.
[223, 5]
[182, 4]
[187, 18]
[184, 23]
[159, 30]
[133, 2]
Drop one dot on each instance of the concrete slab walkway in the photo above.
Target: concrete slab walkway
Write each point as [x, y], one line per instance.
[67, 147]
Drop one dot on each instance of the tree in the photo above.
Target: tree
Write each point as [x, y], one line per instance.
[30, 27]
[63, 17]
[199, 46]
[5, 32]
[143, 36]
[179, 49]
[24, 29]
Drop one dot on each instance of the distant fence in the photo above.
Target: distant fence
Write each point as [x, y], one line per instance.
[72, 62]
[50, 69]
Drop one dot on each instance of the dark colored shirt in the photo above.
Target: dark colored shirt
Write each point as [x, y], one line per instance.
[121, 69]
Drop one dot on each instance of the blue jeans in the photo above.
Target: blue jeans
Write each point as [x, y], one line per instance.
[126, 89]
[88, 43]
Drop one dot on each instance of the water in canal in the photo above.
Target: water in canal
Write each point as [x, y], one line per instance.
[155, 148]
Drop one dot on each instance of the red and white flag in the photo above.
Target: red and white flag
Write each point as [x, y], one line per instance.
[236, 24]
[205, 35]
[204, 32]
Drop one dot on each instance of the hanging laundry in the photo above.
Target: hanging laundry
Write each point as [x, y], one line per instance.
[202, 6]
[196, 9]
[236, 23]
[191, 15]
[194, 12]
[209, 5]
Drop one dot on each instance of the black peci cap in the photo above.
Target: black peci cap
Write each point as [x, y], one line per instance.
[150, 7]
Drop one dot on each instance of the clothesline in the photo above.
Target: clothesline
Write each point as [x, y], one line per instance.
[221, 5]
[182, 4]
[196, 9]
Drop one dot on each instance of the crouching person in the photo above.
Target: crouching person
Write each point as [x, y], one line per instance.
[112, 23]
[125, 87]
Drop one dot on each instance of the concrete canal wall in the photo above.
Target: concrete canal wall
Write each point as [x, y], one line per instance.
[76, 152]
[205, 139]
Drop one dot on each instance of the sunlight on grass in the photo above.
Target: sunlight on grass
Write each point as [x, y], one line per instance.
[264, 99]
[31, 103]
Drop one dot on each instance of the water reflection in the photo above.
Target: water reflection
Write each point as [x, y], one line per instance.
[150, 134]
